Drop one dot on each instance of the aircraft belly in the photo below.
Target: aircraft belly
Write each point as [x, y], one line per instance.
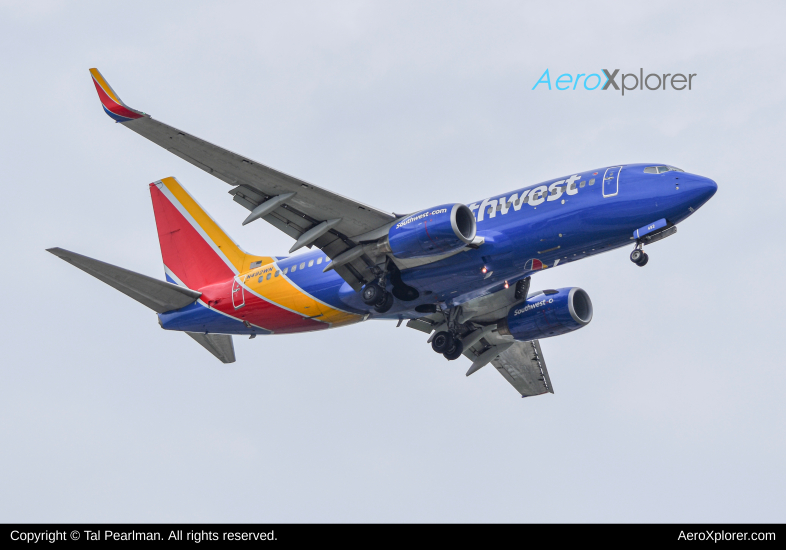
[197, 317]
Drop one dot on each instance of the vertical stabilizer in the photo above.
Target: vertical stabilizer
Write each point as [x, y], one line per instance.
[195, 250]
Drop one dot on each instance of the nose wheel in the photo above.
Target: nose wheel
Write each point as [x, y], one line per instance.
[639, 257]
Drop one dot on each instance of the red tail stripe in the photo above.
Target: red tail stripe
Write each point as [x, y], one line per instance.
[258, 311]
[184, 250]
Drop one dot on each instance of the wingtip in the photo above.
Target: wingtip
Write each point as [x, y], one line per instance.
[61, 253]
[113, 105]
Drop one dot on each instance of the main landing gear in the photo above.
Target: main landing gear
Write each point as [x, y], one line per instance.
[375, 295]
[448, 345]
[638, 256]
[447, 341]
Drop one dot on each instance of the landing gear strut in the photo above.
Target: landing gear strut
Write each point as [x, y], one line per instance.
[638, 256]
[447, 342]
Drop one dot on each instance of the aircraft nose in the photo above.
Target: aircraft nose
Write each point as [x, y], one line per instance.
[708, 189]
[698, 190]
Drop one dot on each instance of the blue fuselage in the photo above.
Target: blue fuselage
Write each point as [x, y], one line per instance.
[594, 212]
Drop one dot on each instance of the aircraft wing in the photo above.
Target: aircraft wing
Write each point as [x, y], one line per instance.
[311, 215]
[522, 365]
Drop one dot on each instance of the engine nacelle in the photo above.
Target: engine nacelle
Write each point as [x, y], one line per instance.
[435, 231]
[551, 313]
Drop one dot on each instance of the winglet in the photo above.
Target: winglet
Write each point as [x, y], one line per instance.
[112, 103]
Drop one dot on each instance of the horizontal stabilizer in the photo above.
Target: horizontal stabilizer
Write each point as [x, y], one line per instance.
[219, 345]
[159, 296]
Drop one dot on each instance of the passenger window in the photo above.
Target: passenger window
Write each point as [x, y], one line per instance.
[286, 270]
[582, 184]
[302, 265]
[319, 260]
[294, 268]
[261, 279]
[276, 274]
[310, 263]
[268, 276]
[592, 181]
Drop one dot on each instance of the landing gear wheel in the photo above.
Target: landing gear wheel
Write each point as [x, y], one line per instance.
[372, 294]
[636, 256]
[644, 259]
[441, 342]
[385, 304]
[455, 351]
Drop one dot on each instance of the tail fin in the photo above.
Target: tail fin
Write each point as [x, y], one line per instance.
[196, 251]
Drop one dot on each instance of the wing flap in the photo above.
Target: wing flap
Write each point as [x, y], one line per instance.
[160, 296]
[522, 365]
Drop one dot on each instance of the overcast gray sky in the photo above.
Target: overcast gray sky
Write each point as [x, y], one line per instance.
[668, 407]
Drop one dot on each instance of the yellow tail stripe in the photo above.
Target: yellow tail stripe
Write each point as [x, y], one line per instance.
[282, 292]
[237, 256]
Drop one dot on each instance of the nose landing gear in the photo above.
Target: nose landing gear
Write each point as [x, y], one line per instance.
[638, 256]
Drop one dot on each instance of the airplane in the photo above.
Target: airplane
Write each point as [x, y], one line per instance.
[460, 273]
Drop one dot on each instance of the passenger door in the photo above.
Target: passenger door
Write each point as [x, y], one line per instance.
[611, 181]
[238, 296]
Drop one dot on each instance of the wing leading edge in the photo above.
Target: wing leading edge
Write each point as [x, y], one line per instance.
[300, 214]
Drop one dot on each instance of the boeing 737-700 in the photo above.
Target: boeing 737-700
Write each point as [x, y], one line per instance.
[458, 272]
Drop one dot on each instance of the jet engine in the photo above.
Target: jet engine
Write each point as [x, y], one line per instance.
[549, 313]
[432, 232]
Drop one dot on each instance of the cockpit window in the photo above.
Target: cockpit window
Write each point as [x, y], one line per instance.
[661, 169]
